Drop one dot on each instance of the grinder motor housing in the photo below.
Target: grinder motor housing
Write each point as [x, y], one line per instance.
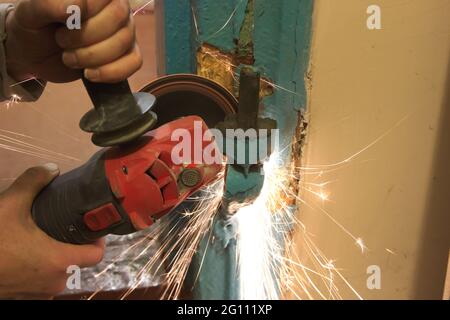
[121, 190]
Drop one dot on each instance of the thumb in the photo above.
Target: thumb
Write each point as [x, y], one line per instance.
[32, 181]
[84, 256]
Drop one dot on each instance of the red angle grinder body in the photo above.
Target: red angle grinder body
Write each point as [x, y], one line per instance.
[121, 190]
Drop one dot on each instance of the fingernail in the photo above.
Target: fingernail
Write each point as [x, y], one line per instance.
[92, 74]
[51, 167]
[70, 59]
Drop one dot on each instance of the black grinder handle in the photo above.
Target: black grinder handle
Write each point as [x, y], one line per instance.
[106, 95]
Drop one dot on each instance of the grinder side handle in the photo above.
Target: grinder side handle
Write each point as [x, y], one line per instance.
[106, 95]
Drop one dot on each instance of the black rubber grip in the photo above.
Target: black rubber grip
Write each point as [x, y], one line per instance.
[108, 95]
[59, 209]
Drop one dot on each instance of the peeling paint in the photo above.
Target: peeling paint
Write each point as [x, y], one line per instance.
[245, 48]
[298, 144]
[216, 66]
[221, 67]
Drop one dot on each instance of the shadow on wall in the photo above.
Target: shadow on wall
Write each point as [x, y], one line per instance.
[436, 229]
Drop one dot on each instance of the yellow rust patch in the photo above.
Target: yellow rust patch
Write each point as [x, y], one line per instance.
[216, 66]
[221, 67]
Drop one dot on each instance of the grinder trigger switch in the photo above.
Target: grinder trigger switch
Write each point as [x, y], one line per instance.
[102, 218]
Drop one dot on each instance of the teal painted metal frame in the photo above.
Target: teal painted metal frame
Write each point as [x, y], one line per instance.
[281, 39]
[180, 44]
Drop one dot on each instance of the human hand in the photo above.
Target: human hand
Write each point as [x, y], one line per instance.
[39, 44]
[33, 265]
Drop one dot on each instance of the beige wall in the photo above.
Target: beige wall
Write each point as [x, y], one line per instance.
[386, 90]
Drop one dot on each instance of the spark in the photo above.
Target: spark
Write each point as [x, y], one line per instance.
[256, 250]
[362, 150]
[268, 259]
[143, 7]
[230, 68]
[25, 136]
[322, 195]
[233, 13]
[391, 251]
[178, 235]
[15, 99]
[22, 135]
[360, 243]
[123, 253]
[333, 219]
[320, 185]
[31, 153]
[57, 124]
[277, 86]
[279, 183]
[194, 18]
[33, 78]
[35, 148]
[189, 238]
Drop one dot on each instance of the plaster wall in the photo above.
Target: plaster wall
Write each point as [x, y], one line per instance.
[379, 136]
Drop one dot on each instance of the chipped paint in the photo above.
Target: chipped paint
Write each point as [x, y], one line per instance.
[221, 67]
[216, 66]
[245, 47]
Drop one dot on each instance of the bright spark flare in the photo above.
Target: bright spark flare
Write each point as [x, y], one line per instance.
[15, 99]
[360, 243]
[269, 264]
[145, 5]
[257, 245]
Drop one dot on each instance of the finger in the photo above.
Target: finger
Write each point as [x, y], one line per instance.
[58, 73]
[102, 53]
[31, 182]
[42, 41]
[35, 14]
[83, 255]
[112, 18]
[118, 70]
